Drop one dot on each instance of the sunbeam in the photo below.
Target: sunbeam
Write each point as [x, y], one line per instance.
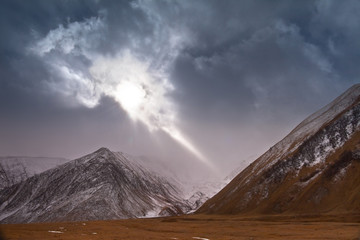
[137, 83]
[142, 93]
[176, 135]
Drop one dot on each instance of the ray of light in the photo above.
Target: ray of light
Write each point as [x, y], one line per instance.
[138, 83]
[176, 135]
[142, 93]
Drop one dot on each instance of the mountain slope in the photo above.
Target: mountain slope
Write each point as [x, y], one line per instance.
[17, 169]
[314, 169]
[101, 185]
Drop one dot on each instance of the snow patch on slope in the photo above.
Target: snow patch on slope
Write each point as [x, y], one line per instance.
[308, 127]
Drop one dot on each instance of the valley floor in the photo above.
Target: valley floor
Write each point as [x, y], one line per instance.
[199, 227]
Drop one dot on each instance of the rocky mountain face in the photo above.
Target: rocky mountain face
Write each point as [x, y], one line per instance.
[101, 185]
[313, 170]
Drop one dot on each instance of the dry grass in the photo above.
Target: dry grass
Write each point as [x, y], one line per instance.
[188, 227]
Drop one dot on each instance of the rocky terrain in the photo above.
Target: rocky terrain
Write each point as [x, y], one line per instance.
[313, 170]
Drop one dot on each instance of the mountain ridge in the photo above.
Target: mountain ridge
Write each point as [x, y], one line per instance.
[295, 175]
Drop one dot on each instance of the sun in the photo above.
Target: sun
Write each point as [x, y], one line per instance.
[131, 97]
[143, 93]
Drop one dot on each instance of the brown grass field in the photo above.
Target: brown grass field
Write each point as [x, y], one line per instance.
[192, 227]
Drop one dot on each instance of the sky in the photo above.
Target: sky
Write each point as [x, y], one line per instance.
[205, 86]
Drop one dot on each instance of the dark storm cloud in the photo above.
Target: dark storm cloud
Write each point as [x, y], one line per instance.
[19, 23]
[24, 75]
[257, 53]
[31, 115]
[254, 63]
[335, 25]
[243, 71]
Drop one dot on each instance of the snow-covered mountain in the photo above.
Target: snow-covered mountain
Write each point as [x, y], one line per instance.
[198, 192]
[314, 169]
[17, 169]
[194, 191]
[101, 185]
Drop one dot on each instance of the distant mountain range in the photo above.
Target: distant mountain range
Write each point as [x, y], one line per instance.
[313, 170]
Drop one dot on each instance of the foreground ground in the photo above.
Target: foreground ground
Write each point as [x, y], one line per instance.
[191, 227]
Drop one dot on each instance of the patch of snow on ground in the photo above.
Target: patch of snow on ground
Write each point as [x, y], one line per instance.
[151, 214]
[341, 174]
[54, 231]
[305, 183]
[349, 130]
[319, 155]
[201, 238]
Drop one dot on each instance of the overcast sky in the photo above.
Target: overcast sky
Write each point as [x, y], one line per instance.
[199, 84]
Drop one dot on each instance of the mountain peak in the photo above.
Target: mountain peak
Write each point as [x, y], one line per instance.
[100, 185]
[103, 150]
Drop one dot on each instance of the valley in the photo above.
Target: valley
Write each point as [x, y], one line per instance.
[197, 226]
